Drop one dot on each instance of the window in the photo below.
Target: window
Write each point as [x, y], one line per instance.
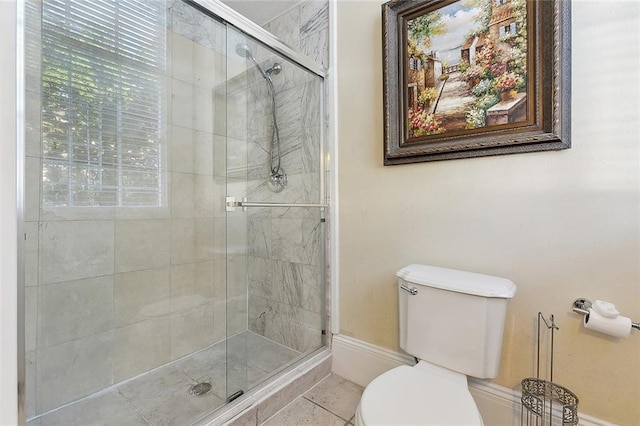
[103, 102]
[508, 29]
[415, 64]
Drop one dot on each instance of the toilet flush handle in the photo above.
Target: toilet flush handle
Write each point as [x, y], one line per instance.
[408, 289]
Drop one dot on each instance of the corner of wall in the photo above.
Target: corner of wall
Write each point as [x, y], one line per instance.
[11, 377]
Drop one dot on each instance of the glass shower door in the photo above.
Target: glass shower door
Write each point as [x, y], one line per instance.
[125, 270]
[275, 212]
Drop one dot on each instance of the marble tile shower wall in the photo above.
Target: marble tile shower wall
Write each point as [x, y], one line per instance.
[306, 29]
[285, 260]
[115, 292]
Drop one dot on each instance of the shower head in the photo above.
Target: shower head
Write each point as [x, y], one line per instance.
[243, 50]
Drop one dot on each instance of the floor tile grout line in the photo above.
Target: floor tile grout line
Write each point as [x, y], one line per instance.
[325, 409]
[293, 402]
[133, 407]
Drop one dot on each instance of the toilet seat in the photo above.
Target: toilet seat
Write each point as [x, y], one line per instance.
[419, 395]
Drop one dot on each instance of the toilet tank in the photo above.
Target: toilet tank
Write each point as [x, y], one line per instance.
[454, 319]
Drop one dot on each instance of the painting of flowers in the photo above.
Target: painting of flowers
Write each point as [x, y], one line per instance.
[466, 67]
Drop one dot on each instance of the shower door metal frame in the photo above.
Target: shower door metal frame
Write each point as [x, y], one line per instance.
[20, 148]
[252, 29]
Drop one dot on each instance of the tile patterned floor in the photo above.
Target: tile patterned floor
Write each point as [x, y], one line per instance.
[162, 397]
[333, 401]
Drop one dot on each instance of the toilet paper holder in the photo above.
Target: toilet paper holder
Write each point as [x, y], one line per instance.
[582, 306]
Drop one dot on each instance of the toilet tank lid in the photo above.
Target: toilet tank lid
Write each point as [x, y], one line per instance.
[458, 281]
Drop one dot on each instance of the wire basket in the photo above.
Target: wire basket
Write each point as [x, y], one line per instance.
[538, 398]
[543, 401]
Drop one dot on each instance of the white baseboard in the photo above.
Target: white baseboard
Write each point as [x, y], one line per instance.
[361, 362]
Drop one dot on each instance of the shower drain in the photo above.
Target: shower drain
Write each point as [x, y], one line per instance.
[200, 389]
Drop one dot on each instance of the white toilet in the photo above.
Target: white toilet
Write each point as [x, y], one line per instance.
[452, 321]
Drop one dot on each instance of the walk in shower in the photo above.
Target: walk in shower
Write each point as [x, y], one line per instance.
[174, 254]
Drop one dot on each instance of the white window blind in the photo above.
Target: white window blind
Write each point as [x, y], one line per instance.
[103, 102]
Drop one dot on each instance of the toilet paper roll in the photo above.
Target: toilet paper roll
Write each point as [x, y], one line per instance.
[617, 327]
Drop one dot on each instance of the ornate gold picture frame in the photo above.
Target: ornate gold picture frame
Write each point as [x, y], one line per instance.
[471, 78]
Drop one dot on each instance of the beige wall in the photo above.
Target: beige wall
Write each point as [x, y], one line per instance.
[561, 225]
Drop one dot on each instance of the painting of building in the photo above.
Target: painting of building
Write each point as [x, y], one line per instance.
[463, 60]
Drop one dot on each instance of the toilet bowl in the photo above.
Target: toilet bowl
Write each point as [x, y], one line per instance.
[424, 394]
[452, 321]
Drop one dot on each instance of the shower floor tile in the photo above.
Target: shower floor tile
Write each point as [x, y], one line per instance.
[161, 397]
[110, 405]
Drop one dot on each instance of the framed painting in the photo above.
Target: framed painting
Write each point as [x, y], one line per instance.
[471, 78]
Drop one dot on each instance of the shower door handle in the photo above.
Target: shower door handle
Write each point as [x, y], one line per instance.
[231, 204]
